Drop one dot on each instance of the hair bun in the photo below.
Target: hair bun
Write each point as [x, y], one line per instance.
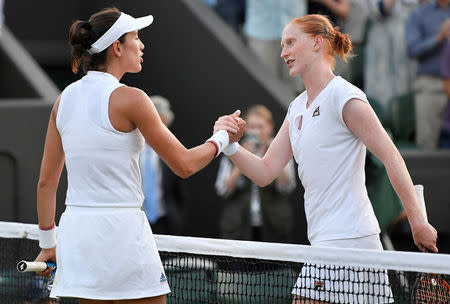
[87, 26]
[341, 42]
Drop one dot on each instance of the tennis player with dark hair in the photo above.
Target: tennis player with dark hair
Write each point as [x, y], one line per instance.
[327, 130]
[105, 250]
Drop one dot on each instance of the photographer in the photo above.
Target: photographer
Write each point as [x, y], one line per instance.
[251, 212]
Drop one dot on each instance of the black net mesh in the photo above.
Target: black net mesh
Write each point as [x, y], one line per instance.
[218, 279]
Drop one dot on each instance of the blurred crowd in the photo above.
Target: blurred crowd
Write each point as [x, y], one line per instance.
[400, 48]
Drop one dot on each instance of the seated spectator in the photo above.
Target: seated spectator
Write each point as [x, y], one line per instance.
[388, 72]
[251, 212]
[427, 30]
[264, 23]
[165, 193]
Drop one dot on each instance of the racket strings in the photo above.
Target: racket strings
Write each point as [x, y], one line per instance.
[433, 289]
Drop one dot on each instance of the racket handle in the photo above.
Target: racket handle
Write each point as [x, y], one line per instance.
[24, 266]
[420, 197]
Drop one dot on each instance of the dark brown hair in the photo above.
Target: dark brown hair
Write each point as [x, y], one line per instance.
[319, 25]
[83, 34]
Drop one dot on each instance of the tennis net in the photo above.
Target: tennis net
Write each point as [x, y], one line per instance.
[201, 270]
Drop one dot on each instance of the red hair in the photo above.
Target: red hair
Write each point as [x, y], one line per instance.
[319, 25]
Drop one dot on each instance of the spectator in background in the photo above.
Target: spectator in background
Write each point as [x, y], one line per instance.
[388, 72]
[334, 9]
[165, 193]
[264, 23]
[427, 30]
[251, 212]
[232, 11]
[351, 16]
[445, 70]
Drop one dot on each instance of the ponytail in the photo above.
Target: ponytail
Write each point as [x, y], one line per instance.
[80, 41]
[83, 34]
[342, 44]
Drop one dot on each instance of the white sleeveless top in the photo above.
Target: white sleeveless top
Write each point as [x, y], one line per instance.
[102, 163]
[331, 165]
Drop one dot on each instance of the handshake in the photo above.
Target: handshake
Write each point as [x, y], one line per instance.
[228, 130]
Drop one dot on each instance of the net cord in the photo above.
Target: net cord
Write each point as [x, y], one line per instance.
[391, 260]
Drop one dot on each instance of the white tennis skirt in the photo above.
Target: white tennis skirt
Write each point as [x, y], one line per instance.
[337, 284]
[107, 253]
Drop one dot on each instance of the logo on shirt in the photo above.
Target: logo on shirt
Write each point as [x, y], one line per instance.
[163, 278]
[316, 112]
[319, 285]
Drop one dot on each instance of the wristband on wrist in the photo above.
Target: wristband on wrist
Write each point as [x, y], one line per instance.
[47, 237]
[220, 140]
[231, 149]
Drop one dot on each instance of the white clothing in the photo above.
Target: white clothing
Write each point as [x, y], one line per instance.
[156, 165]
[331, 165]
[107, 253]
[102, 163]
[105, 247]
[345, 284]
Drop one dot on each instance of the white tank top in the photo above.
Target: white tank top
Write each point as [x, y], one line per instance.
[102, 163]
[331, 165]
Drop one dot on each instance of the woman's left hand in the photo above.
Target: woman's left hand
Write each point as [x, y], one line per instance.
[425, 236]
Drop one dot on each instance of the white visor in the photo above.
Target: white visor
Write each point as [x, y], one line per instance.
[123, 25]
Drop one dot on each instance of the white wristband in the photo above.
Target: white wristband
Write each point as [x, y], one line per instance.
[231, 149]
[220, 140]
[47, 238]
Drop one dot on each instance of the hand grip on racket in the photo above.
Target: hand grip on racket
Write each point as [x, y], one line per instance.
[421, 199]
[25, 266]
[429, 287]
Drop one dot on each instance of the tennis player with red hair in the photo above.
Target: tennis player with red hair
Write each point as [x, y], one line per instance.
[327, 130]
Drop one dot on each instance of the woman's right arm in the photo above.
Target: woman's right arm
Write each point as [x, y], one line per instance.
[140, 111]
[264, 170]
[51, 168]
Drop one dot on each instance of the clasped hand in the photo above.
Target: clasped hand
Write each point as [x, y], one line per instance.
[233, 124]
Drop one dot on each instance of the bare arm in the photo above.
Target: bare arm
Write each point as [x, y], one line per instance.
[51, 168]
[447, 86]
[363, 122]
[136, 107]
[264, 170]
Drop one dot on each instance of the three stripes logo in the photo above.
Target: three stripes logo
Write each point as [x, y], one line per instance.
[162, 278]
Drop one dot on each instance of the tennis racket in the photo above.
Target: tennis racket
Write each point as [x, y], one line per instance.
[25, 266]
[429, 287]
